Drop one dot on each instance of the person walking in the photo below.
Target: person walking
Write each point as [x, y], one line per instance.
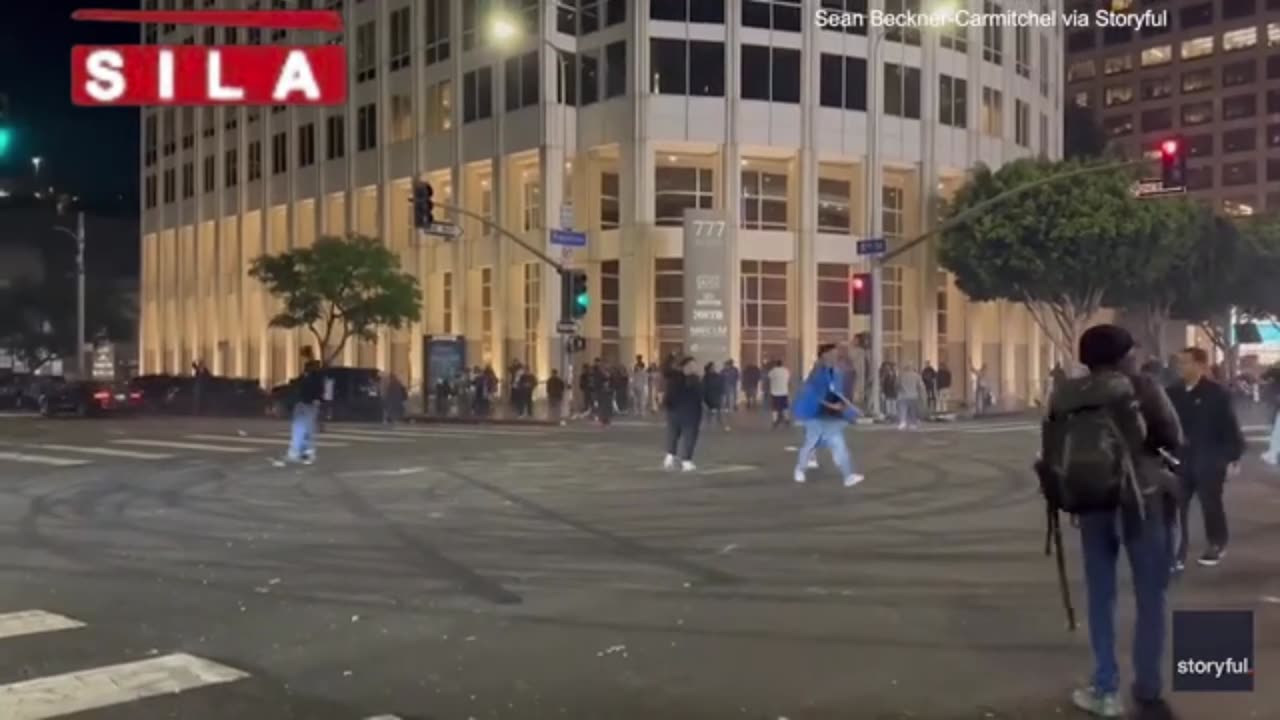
[393, 399]
[1102, 443]
[944, 386]
[713, 390]
[306, 409]
[640, 388]
[889, 388]
[555, 397]
[751, 384]
[779, 382]
[981, 391]
[911, 392]
[1213, 448]
[930, 378]
[732, 378]
[824, 411]
[683, 398]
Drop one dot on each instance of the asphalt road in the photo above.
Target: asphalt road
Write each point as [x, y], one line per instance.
[163, 569]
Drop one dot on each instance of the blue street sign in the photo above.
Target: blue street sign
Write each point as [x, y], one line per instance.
[872, 246]
[568, 238]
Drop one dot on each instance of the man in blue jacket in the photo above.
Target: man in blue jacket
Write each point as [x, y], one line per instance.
[824, 411]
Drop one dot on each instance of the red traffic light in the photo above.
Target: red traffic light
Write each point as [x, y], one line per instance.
[1169, 148]
[857, 284]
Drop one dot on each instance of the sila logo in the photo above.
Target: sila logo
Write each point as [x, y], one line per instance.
[119, 75]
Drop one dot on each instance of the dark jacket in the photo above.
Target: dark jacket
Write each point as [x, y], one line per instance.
[555, 387]
[1213, 436]
[684, 396]
[713, 388]
[311, 384]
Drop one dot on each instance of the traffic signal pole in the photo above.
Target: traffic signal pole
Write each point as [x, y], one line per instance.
[559, 268]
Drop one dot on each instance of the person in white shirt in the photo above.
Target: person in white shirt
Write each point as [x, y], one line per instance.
[779, 390]
[911, 390]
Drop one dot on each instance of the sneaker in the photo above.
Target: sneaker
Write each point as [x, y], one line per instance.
[853, 479]
[1177, 567]
[1106, 705]
[688, 466]
[1212, 556]
[308, 459]
[902, 426]
[813, 464]
[1270, 459]
[669, 462]
[1153, 710]
[279, 462]
[799, 476]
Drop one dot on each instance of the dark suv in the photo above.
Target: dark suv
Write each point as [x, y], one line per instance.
[357, 395]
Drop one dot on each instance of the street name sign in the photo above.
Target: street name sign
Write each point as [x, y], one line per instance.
[872, 246]
[568, 238]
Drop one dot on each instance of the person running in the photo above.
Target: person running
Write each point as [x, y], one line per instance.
[911, 393]
[1214, 445]
[683, 399]
[824, 411]
[1115, 417]
[779, 382]
[310, 393]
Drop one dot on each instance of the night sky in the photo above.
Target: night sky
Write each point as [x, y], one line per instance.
[88, 151]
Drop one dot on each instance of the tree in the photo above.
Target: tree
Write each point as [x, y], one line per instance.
[1057, 249]
[39, 322]
[339, 288]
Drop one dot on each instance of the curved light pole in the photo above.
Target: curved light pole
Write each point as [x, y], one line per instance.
[78, 236]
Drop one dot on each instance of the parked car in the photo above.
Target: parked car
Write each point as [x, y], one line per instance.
[89, 398]
[357, 395]
[13, 390]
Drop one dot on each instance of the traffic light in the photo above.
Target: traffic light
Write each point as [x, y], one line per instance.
[6, 140]
[1173, 163]
[579, 295]
[423, 207]
[860, 293]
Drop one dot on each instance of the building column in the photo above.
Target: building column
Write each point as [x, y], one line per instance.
[1009, 331]
[637, 323]
[927, 266]
[975, 322]
[1035, 372]
[730, 185]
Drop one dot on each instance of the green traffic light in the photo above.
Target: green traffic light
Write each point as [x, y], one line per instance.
[583, 301]
[6, 139]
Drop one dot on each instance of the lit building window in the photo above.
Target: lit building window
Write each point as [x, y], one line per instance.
[610, 200]
[1117, 95]
[532, 314]
[834, 215]
[764, 311]
[1237, 208]
[1241, 39]
[764, 200]
[1118, 64]
[531, 196]
[1273, 34]
[678, 188]
[992, 112]
[1158, 55]
[1197, 47]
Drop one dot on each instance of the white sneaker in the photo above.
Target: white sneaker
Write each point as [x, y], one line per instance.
[853, 479]
[799, 477]
[688, 466]
[669, 462]
[813, 464]
[1270, 459]
[902, 426]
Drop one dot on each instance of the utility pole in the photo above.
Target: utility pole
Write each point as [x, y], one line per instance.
[80, 363]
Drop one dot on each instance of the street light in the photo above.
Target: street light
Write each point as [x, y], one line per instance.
[78, 236]
[36, 162]
[503, 28]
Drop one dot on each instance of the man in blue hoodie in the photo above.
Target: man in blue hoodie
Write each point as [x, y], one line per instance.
[824, 411]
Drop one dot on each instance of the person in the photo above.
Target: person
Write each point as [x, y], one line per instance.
[393, 399]
[888, 387]
[200, 387]
[824, 411]
[683, 399]
[602, 386]
[982, 399]
[713, 394]
[310, 388]
[911, 391]
[779, 381]
[930, 378]
[526, 386]
[555, 397]
[444, 391]
[944, 386]
[639, 388]
[731, 377]
[1214, 445]
[1271, 396]
[1134, 509]
[751, 384]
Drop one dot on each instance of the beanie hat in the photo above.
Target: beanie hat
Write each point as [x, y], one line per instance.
[1103, 345]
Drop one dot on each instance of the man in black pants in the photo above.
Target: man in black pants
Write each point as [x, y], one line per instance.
[683, 399]
[1212, 450]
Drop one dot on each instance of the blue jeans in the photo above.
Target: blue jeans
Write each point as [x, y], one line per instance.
[302, 432]
[1147, 544]
[829, 433]
[1273, 448]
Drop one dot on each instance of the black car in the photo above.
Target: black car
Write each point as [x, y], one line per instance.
[356, 395]
[88, 398]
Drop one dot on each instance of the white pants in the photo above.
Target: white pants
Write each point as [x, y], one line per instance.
[1273, 448]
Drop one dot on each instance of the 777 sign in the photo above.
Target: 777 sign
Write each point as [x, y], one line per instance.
[121, 75]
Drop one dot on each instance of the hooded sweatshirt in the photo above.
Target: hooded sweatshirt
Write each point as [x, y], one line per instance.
[822, 385]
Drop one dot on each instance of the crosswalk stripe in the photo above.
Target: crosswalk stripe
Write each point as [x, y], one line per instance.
[58, 695]
[41, 459]
[184, 446]
[1003, 429]
[409, 434]
[255, 440]
[34, 622]
[108, 452]
[361, 438]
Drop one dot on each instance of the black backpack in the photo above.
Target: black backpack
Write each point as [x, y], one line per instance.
[1089, 445]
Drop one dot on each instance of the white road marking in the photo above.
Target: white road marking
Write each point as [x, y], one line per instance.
[410, 434]
[185, 446]
[108, 452]
[255, 440]
[1001, 429]
[384, 717]
[383, 473]
[58, 695]
[41, 460]
[34, 622]
[361, 438]
[727, 469]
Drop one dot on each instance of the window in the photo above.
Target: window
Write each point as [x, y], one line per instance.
[1242, 140]
[1273, 135]
[446, 300]
[188, 128]
[1158, 55]
[149, 191]
[1273, 172]
[1239, 106]
[1081, 99]
[1197, 81]
[170, 131]
[908, 35]
[1117, 125]
[834, 212]
[1078, 40]
[474, 14]
[901, 91]
[366, 52]
[953, 102]
[588, 16]
[231, 169]
[1197, 113]
[486, 314]
[436, 13]
[1273, 65]
[208, 121]
[209, 174]
[1232, 9]
[531, 201]
[677, 188]
[188, 181]
[477, 95]
[764, 200]
[366, 127]
[232, 117]
[279, 153]
[1082, 70]
[150, 128]
[1117, 64]
[834, 280]
[892, 217]
[770, 73]
[687, 68]
[694, 11]
[307, 145]
[440, 107]
[1117, 95]
[615, 69]
[776, 14]
[763, 294]
[400, 42]
[992, 35]
[254, 159]
[1273, 34]
[522, 81]
[1157, 119]
[1157, 87]
[1045, 65]
[1239, 73]
[1199, 178]
[1116, 35]
[954, 36]
[1197, 47]
[1196, 15]
[1022, 51]
[668, 302]
[610, 200]
[1273, 102]
[843, 82]
[992, 112]
[1022, 123]
[1046, 142]
[1243, 172]
[1200, 145]
[1241, 39]
[588, 78]
[335, 137]
[401, 118]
